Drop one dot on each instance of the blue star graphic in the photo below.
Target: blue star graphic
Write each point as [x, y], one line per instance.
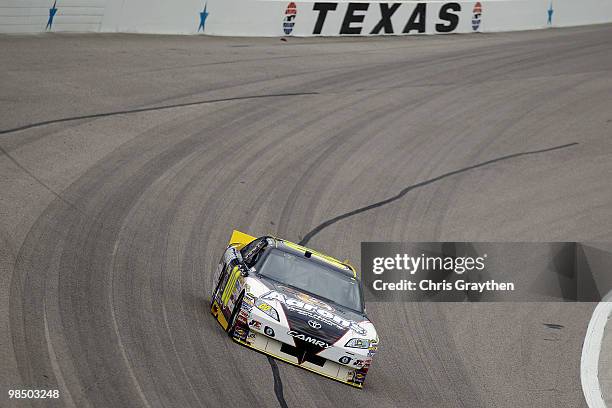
[203, 16]
[52, 12]
[550, 13]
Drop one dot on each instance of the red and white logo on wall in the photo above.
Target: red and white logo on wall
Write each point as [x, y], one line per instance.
[476, 16]
[289, 20]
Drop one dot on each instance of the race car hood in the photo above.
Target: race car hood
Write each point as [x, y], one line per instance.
[309, 317]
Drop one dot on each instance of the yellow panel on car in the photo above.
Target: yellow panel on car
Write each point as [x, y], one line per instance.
[240, 239]
[319, 255]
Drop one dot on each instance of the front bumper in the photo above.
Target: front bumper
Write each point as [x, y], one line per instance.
[276, 349]
[258, 341]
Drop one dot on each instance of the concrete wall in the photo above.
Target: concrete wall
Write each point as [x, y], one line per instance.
[32, 16]
[278, 18]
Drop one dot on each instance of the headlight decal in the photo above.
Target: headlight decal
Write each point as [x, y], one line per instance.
[358, 343]
[267, 309]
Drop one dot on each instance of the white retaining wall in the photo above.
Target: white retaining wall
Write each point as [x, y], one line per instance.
[279, 18]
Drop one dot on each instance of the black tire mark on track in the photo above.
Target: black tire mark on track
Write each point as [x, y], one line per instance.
[149, 109]
[278, 383]
[406, 190]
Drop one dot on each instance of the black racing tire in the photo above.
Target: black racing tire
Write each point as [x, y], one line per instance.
[234, 317]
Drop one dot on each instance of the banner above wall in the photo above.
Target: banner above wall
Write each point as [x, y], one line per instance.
[272, 18]
[365, 18]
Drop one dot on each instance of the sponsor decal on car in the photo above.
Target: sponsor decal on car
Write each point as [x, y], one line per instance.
[314, 324]
[289, 20]
[240, 334]
[256, 324]
[315, 312]
[308, 339]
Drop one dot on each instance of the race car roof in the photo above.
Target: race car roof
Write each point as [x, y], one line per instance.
[240, 239]
[316, 256]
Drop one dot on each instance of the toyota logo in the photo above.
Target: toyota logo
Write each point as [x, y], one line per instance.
[314, 324]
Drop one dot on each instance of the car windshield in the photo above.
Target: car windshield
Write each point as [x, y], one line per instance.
[309, 276]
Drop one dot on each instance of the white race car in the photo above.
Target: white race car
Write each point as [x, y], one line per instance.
[295, 304]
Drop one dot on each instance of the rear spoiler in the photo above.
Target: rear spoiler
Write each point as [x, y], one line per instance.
[240, 239]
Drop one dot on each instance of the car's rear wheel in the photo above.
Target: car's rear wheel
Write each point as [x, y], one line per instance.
[234, 317]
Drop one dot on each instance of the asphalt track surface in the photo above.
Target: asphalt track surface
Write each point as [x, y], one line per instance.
[127, 160]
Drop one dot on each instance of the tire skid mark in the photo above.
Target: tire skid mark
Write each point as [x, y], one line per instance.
[278, 383]
[424, 183]
[149, 109]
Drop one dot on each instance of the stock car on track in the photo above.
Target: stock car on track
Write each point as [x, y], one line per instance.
[295, 304]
